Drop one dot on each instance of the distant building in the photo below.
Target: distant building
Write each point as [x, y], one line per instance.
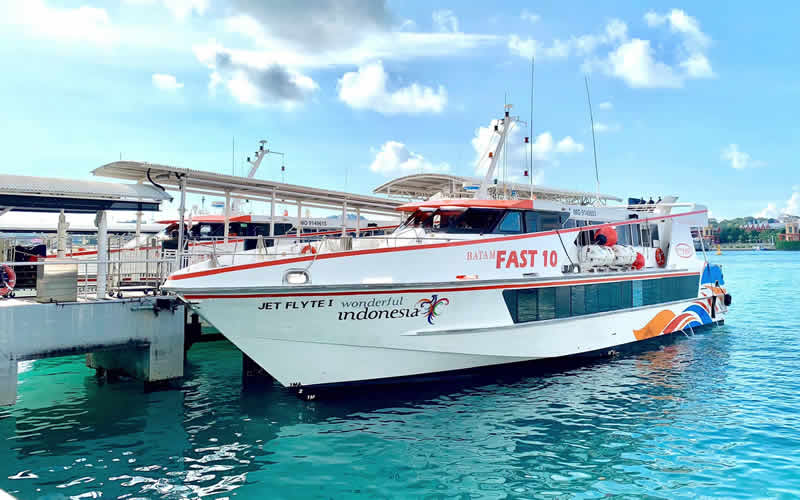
[709, 233]
[792, 233]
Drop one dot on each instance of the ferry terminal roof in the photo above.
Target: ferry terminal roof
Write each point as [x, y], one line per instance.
[47, 194]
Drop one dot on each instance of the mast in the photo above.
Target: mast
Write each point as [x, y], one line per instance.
[502, 127]
[594, 142]
[254, 164]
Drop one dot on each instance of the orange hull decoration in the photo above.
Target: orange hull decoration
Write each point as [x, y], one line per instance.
[655, 326]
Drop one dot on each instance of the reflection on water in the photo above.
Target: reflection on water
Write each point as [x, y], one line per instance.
[714, 414]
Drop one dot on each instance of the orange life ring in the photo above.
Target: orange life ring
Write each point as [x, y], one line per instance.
[660, 258]
[308, 248]
[8, 282]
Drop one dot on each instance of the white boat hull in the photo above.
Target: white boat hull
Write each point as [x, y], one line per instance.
[335, 337]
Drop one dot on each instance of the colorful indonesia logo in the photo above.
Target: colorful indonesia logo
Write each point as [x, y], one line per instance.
[683, 250]
[434, 305]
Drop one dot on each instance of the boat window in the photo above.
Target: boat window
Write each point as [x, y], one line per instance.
[544, 221]
[531, 222]
[205, 229]
[511, 223]
[654, 232]
[567, 301]
[624, 234]
[635, 234]
[645, 231]
[456, 220]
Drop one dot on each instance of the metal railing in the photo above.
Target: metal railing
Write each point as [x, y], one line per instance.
[118, 278]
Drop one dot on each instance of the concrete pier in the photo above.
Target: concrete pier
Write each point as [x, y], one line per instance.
[140, 337]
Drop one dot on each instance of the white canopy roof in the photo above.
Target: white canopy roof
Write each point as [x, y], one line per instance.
[47, 194]
[424, 186]
[210, 183]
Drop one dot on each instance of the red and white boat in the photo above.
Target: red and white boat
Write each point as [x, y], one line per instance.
[462, 284]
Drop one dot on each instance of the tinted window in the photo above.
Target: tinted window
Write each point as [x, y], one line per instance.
[563, 307]
[531, 222]
[473, 220]
[578, 300]
[511, 223]
[549, 222]
[527, 305]
[547, 303]
[560, 302]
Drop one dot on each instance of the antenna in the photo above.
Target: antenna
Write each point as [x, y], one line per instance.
[531, 139]
[233, 153]
[594, 143]
[505, 155]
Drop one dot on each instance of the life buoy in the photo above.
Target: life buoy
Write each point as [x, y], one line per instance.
[660, 258]
[606, 236]
[8, 279]
[308, 249]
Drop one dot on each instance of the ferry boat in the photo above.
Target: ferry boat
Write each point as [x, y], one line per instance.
[464, 283]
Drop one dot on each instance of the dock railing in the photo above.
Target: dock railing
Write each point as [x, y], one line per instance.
[121, 277]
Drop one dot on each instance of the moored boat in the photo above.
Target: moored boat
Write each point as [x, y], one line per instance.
[463, 283]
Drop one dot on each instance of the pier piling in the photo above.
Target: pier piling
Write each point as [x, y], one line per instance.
[139, 337]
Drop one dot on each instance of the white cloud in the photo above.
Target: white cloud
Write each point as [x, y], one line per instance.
[445, 21]
[529, 16]
[529, 47]
[680, 23]
[697, 66]
[367, 88]
[254, 82]
[634, 63]
[694, 45]
[790, 207]
[166, 82]
[739, 159]
[614, 31]
[181, 9]
[770, 211]
[793, 204]
[395, 158]
[605, 105]
[79, 24]
[407, 25]
[601, 127]
[568, 145]
[634, 60]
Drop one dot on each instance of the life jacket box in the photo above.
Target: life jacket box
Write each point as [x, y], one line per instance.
[57, 282]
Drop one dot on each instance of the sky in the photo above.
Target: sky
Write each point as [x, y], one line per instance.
[695, 99]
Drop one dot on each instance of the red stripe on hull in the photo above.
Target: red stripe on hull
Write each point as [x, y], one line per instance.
[426, 290]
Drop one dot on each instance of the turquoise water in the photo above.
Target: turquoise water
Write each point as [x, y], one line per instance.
[715, 415]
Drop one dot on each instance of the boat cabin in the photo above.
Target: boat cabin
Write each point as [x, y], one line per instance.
[508, 217]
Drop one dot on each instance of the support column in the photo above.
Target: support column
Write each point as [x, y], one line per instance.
[159, 355]
[299, 219]
[358, 222]
[101, 221]
[8, 379]
[227, 215]
[182, 210]
[138, 226]
[344, 218]
[61, 238]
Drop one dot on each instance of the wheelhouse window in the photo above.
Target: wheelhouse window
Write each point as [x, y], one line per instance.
[511, 223]
[455, 220]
